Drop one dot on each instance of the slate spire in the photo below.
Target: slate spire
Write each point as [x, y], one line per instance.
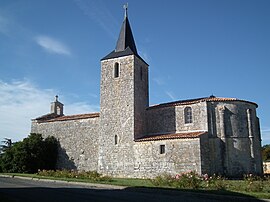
[125, 44]
[125, 38]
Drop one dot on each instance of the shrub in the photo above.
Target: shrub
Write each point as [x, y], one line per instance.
[214, 182]
[90, 175]
[165, 180]
[253, 183]
[188, 180]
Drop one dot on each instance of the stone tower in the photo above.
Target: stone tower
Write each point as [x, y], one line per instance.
[123, 102]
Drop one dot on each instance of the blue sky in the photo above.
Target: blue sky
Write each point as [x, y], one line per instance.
[195, 48]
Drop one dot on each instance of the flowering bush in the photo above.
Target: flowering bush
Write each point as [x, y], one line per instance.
[188, 180]
[214, 182]
[163, 180]
[191, 180]
[253, 183]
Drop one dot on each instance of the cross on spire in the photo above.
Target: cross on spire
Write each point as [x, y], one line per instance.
[125, 44]
[126, 8]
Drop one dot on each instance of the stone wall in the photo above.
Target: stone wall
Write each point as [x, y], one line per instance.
[199, 117]
[161, 120]
[78, 140]
[234, 138]
[232, 146]
[216, 154]
[180, 155]
[206, 161]
[171, 119]
[141, 97]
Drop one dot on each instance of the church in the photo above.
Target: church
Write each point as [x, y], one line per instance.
[129, 138]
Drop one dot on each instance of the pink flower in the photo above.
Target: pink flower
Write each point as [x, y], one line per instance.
[205, 176]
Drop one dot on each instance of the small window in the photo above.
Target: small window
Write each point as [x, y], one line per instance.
[188, 115]
[116, 70]
[162, 149]
[115, 139]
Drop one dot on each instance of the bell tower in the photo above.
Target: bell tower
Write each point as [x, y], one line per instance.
[57, 107]
[123, 102]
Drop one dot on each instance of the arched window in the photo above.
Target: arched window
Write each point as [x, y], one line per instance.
[116, 70]
[115, 139]
[58, 109]
[188, 115]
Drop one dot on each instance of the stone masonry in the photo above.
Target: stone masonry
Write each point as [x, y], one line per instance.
[129, 138]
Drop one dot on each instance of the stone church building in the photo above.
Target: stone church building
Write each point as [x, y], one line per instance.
[129, 138]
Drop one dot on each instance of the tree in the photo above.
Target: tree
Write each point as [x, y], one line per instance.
[266, 152]
[7, 144]
[29, 155]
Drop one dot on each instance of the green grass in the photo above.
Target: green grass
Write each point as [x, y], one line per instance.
[132, 182]
[115, 181]
[233, 187]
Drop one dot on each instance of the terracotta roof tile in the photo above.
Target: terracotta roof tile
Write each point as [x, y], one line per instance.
[197, 100]
[47, 116]
[171, 136]
[70, 117]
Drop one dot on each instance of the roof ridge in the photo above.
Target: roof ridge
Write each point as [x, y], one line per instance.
[69, 117]
[92, 113]
[179, 135]
[197, 100]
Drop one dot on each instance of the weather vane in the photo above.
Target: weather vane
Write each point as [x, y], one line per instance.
[125, 7]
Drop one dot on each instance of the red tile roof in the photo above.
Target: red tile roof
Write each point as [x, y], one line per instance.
[67, 118]
[54, 117]
[171, 136]
[47, 117]
[198, 100]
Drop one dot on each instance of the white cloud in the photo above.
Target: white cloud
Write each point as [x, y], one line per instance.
[21, 101]
[80, 108]
[159, 81]
[170, 94]
[52, 45]
[100, 14]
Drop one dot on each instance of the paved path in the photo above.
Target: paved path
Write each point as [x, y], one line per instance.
[18, 189]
